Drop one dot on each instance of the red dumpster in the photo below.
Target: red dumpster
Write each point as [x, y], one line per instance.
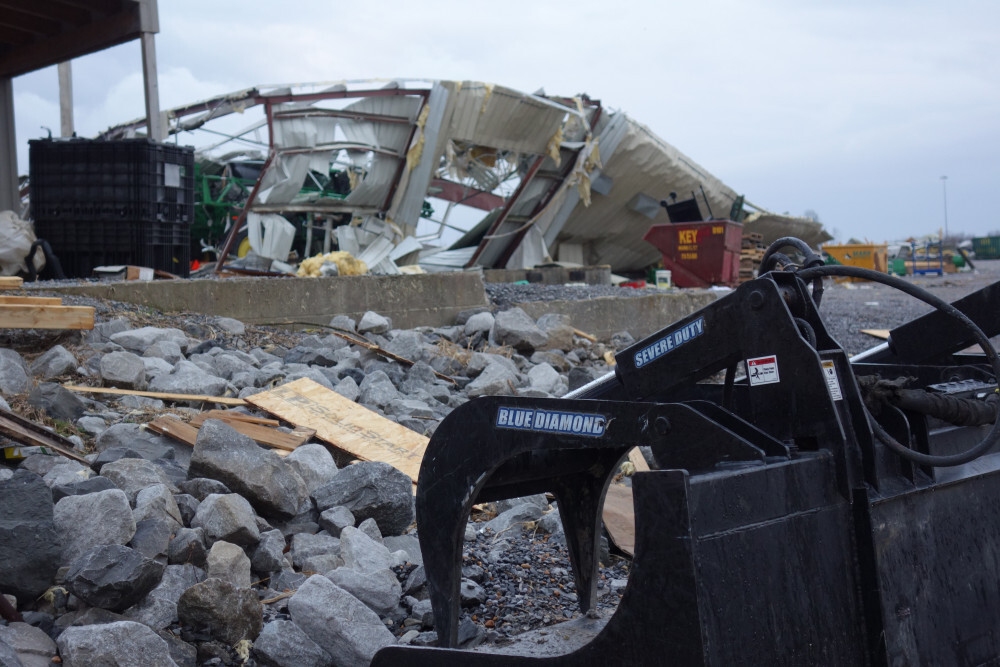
[700, 254]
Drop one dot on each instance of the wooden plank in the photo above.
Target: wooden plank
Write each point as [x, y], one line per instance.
[619, 517]
[221, 400]
[31, 300]
[878, 333]
[17, 316]
[228, 416]
[10, 282]
[345, 424]
[174, 428]
[638, 460]
[265, 435]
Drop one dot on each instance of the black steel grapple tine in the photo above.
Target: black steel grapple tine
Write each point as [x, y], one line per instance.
[459, 464]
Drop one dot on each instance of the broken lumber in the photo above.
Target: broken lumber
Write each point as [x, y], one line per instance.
[29, 433]
[30, 316]
[10, 282]
[221, 400]
[878, 333]
[345, 424]
[228, 416]
[264, 435]
[583, 334]
[619, 517]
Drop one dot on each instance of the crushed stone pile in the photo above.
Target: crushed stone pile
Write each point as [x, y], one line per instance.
[226, 553]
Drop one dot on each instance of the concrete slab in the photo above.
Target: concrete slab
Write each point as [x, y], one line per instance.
[410, 301]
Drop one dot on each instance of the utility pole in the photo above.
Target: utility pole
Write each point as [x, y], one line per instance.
[944, 190]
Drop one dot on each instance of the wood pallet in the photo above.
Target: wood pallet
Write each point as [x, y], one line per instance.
[39, 312]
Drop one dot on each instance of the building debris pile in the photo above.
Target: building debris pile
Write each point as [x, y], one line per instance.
[225, 552]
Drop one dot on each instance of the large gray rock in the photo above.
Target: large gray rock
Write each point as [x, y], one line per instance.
[112, 577]
[362, 553]
[378, 389]
[95, 519]
[378, 589]
[57, 402]
[13, 373]
[372, 322]
[123, 369]
[227, 517]
[54, 362]
[133, 475]
[260, 475]
[157, 501]
[269, 554]
[338, 622]
[544, 377]
[159, 609]
[230, 614]
[152, 537]
[66, 472]
[315, 553]
[143, 443]
[479, 323]
[29, 541]
[495, 380]
[139, 340]
[314, 464]
[408, 344]
[520, 515]
[103, 331]
[558, 329]
[187, 378]
[9, 657]
[284, 644]
[515, 328]
[165, 350]
[188, 548]
[335, 519]
[227, 561]
[122, 644]
[371, 489]
[30, 645]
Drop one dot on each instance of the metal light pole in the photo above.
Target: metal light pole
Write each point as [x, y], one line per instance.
[944, 190]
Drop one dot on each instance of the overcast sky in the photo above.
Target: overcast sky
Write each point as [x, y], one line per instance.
[851, 109]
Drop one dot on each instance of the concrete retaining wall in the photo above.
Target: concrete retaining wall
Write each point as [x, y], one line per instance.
[410, 301]
[640, 315]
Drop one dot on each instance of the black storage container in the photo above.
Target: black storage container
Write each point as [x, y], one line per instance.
[113, 202]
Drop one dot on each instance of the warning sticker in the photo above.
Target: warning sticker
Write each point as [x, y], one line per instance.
[763, 370]
[832, 381]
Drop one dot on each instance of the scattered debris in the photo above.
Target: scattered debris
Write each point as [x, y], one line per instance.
[166, 396]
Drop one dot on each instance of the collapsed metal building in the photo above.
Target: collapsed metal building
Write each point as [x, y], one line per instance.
[523, 178]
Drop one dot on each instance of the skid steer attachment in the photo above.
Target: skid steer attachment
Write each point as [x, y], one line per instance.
[811, 510]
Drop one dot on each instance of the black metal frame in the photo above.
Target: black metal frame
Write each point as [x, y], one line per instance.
[780, 529]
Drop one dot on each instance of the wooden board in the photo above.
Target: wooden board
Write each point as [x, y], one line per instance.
[345, 424]
[638, 460]
[229, 416]
[878, 333]
[21, 316]
[265, 435]
[174, 428]
[221, 400]
[10, 282]
[619, 517]
[31, 300]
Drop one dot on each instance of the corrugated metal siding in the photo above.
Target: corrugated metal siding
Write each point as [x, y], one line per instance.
[508, 120]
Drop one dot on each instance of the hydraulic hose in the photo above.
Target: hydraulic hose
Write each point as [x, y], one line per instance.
[771, 258]
[938, 461]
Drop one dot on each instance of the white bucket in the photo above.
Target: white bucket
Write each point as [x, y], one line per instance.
[663, 279]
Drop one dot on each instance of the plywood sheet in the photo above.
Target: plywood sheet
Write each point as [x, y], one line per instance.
[345, 424]
[619, 517]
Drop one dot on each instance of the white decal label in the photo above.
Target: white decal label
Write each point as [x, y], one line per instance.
[763, 370]
[832, 381]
